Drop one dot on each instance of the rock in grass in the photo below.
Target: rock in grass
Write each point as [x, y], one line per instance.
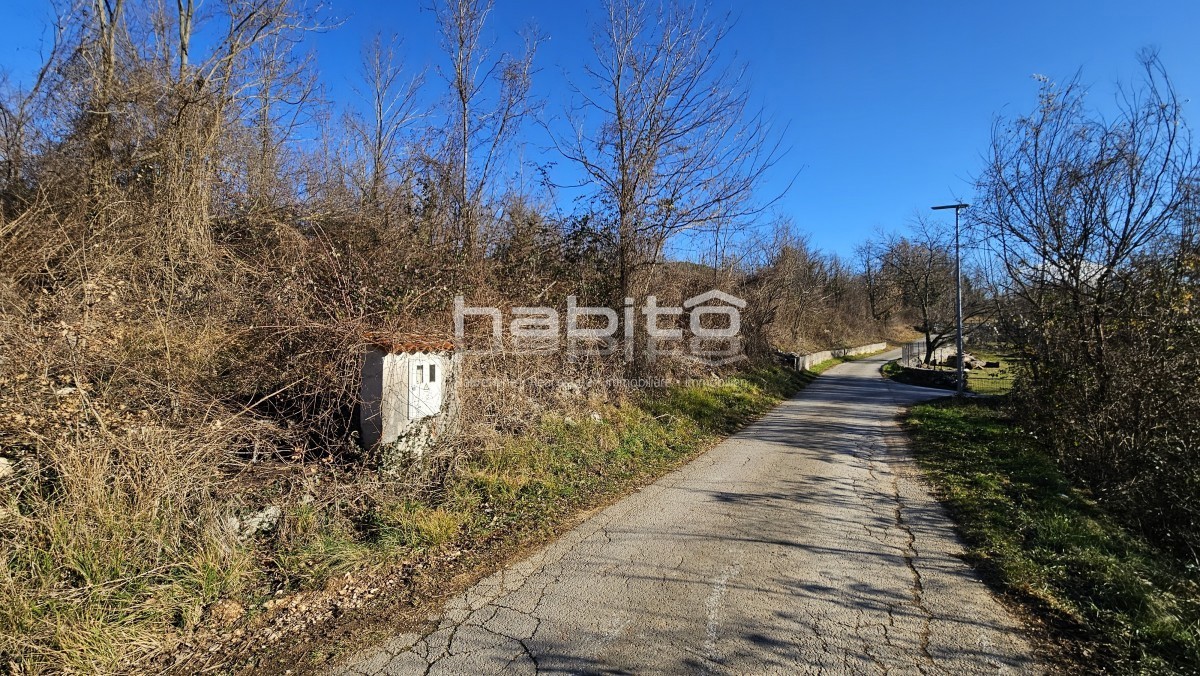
[225, 612]
[252, 524]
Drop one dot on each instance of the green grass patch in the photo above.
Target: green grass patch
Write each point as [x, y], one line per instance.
[892, 369]
[994, 381]
[989, 381]
[568, 463]
[821, 367]
[1125, 606]
[524, 486]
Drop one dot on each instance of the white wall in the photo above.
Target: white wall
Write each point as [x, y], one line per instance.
[807, 361]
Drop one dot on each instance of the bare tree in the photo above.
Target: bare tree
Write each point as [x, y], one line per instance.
[664, 130]
[1070, 199]
[186, 13]
[481, 126]
[800, 278]
[378, 135]
[248, 77]
[18, 110]
[880, 296]
[1090, 217]
[108, 22]
[921, 269]
[284, 91]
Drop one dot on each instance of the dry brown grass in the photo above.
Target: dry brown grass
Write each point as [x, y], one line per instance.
[183, 300]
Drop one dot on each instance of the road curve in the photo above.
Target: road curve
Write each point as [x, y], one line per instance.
[803, 544]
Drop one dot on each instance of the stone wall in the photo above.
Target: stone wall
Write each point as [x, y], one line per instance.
[803, 362]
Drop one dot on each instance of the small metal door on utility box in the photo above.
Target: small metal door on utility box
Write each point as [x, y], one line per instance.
[424, 387]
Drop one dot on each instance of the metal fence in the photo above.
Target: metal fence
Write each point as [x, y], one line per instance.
[989, 373]
[913, 354]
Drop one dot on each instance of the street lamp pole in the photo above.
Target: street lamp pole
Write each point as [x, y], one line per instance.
[958, 322]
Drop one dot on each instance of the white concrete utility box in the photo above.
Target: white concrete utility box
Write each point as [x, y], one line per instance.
[408, 397]
[426, 373]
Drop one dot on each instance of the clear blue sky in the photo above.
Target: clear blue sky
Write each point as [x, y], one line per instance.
[889, 104]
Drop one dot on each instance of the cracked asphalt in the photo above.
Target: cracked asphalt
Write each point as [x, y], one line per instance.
[806, 543]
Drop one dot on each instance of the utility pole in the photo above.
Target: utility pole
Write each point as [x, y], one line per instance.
[957, 291]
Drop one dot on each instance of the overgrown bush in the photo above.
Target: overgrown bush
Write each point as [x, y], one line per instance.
[193, 247]
[1091, 220]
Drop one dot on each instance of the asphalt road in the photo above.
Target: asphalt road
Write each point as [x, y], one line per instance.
[803, 544]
